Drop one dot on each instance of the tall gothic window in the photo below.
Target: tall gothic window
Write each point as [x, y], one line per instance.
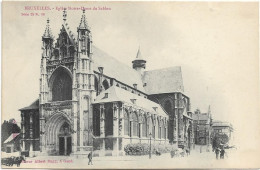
[64, 38]
[56, 54]
[109, 122]
[62, 87]
[159, 129]
[126, 123]
[63, 52]
[145, 127]
[96, 85]
[96, 122]
[71, 51]
[135, 125]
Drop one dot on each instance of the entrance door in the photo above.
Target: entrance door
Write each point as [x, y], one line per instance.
[61, 145]
[68, 145]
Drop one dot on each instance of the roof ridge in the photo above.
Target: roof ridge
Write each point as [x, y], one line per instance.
[166, 68]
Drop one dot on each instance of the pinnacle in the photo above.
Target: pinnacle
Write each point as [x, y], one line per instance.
[83, 22]
[47, 33]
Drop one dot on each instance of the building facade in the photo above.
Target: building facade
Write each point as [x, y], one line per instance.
[202, 127]
[221, 128]
[89, 99]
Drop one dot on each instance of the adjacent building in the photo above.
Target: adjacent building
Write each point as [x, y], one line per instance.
[89, 99]
[202, 127]
[220, 128]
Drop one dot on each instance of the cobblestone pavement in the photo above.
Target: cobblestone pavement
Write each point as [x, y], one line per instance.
[195, 160]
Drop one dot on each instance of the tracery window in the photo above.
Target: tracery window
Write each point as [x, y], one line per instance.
[159, 129]
[109, 122]
[145, 126]
[71, 51]
[63, 52]
[126, 123]
[62, 87]
[135, 125]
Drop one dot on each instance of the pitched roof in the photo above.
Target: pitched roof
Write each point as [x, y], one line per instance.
[118, 94]
[34, 105]
[165, 80]
[115, 69]
[202, 116]
[221, 124]
[11, 137]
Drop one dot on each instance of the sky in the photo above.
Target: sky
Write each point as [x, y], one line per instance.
[215, 43]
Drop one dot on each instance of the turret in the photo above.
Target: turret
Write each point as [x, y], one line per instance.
[47, 40]
[84, 36]
[47, 43]
[139, 63]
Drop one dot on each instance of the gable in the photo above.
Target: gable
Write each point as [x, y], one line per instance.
[166, 80]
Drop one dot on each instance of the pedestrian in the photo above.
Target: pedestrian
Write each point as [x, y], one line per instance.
[90, 158]
[222, 153]
[217, 152]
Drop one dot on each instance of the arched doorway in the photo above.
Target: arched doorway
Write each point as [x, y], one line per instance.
[65, 140]
[58, 135]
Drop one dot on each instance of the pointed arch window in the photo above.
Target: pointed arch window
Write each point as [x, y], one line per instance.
[56, 54]
[126, 123]
[62, 86]
[159, 129]
[64, 38]
[109, 122]
[135, 124]
[145, 126]
[96, 85]
[71, 51]
[63, 51]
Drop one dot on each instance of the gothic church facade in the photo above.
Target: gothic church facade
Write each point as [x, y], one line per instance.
[89, 100]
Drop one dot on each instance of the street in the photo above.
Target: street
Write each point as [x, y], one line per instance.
[196, 159]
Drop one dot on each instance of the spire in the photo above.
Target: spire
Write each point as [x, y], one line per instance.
[47, 33]
[83, 22]
[139, 63]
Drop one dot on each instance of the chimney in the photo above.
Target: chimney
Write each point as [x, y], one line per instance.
[135, 86]
[106, 95]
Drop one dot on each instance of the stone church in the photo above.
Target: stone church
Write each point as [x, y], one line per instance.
[89, 100]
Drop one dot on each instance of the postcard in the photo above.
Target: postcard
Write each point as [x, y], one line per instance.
[130, 85]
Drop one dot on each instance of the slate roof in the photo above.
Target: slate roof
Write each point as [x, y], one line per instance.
[222, 124]
[165, 80]
[11, 137]
[115, 69]
[34, 105]
[118, 94]
[202, 116]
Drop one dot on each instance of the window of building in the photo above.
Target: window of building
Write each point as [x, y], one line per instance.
[108, 122]
[135, 125]
[126, 123]
[145, 127]
[62, 86]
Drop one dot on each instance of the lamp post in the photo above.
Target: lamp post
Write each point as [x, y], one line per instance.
[150, 152]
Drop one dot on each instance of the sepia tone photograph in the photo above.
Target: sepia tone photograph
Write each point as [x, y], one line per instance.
[130, 85]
